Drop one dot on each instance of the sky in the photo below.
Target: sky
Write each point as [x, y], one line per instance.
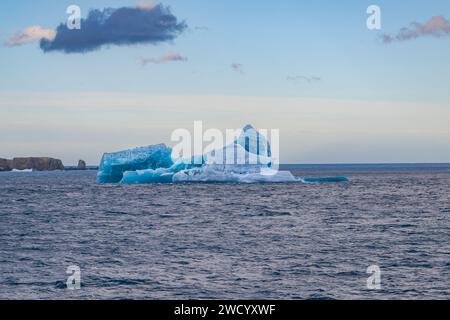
[338, 92]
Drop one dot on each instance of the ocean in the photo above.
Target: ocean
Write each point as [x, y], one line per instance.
[228, 241]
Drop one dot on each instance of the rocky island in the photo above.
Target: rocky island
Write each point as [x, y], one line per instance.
[81, 165]
[31, 163]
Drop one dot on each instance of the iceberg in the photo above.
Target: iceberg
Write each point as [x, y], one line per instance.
[248, 160]
[159, 175]
[219, 174]
[114, 165]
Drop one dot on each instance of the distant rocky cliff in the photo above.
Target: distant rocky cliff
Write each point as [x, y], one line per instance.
[5, 165]
[36, 163]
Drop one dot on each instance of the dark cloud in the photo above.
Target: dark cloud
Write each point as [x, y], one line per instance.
[437, 26]
[122, 26]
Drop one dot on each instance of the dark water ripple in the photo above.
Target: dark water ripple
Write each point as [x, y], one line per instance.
[312, 241]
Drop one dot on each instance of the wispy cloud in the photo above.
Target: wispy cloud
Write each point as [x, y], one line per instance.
[146, 5]
[145, 23]
[237, 67]
[169, 57]
[437, 26]
[29, 35]
[201, 28]
[309, 79]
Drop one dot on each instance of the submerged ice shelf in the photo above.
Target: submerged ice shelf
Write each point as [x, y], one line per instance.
[252, 163]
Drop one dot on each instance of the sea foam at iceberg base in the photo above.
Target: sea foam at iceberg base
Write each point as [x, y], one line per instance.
[247, 160]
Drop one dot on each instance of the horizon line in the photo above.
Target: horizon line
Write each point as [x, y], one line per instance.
[339, 164]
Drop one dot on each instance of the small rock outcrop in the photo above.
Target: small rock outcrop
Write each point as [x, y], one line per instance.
[34, 163]
[81, 165]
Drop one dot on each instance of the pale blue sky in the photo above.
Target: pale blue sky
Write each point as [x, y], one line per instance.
[273, 41]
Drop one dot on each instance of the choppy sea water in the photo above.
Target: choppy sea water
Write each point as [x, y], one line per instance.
[219, 241]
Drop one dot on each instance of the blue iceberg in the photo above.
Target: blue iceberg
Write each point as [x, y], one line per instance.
[114, 165]
[247, 160]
